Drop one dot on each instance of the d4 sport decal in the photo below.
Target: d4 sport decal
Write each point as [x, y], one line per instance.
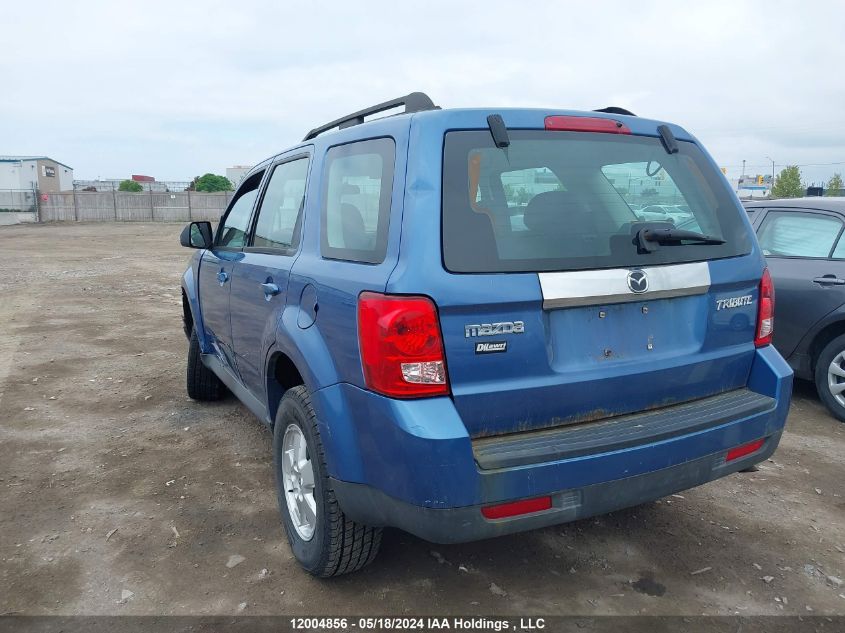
[491, 348]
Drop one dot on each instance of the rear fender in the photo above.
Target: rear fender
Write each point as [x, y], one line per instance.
[307, 349]
[309, 353]
[819, 335]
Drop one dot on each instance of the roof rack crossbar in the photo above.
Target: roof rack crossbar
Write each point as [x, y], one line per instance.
[414, 102]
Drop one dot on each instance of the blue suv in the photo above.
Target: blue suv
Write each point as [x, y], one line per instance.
[457, 324]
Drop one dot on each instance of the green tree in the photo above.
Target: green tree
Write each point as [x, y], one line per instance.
[834, 185]
[788, 183]
[210, 183]
[131, 186]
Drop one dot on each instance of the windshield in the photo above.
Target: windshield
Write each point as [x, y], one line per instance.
[574, 201]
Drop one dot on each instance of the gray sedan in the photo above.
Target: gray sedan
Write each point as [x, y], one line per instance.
[803, 241]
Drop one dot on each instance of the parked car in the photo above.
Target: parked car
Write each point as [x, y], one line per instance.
[802, 241]
[664, 213]
[427, 364]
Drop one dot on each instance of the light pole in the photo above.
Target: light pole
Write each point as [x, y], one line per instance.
[773, 168]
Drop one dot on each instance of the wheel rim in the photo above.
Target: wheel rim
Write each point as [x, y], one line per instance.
[836, 378]
[298, 480]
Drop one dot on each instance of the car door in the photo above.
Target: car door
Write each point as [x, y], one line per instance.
[809, 281]
[217, 266]
[260, 278]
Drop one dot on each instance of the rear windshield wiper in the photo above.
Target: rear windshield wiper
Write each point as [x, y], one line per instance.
[649, 240]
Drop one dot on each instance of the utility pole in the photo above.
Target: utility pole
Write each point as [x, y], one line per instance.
[743, 169]
[773, 169]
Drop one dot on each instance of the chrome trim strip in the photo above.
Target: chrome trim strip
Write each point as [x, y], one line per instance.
[604, 287]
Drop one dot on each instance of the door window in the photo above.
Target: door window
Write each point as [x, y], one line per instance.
[235, 225]
[789, 234]
[280, 213]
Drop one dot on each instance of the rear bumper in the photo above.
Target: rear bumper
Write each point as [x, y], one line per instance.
[412, 465]
[371, 506]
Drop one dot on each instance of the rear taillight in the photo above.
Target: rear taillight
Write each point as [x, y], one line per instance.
[401, 346]
[585, 124]
[765, 311]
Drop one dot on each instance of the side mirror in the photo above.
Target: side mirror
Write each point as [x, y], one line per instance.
[197, 235]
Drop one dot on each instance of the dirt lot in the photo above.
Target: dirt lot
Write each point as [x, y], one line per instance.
[112, 481]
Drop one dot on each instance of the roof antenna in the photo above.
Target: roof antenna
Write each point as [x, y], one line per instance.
[498, 130]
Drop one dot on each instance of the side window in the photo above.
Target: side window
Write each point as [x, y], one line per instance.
[789, 234]
[232, 233]
[357, 187]
[280, 213]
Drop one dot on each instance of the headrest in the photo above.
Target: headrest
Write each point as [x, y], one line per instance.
[545, 210]
[352, 226]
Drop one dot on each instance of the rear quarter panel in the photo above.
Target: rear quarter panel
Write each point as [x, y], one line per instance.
[319, 325]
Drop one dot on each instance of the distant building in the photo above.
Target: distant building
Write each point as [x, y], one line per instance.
[236, 174]
[758, 186]
[35, 172]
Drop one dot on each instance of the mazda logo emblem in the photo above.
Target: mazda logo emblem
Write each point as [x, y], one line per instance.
[637, 281]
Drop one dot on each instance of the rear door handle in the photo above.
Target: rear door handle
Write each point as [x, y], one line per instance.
[270, 290]
[222, 277]
[829, 280]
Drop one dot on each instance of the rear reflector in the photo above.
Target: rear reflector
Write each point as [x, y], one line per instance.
[586, 124]
[745, 449]
[526, 506]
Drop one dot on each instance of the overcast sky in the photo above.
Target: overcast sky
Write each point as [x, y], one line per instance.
[176, 89]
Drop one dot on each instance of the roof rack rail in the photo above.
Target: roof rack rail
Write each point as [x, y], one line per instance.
[615, 110]
[414, 102]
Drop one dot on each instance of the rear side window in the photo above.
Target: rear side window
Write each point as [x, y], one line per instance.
[357, 189]
[574, 201]
[280, 214]
[788, 234]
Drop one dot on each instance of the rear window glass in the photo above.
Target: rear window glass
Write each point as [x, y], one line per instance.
[574, 201]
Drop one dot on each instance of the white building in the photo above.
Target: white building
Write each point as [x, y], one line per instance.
[236, 174]
[27, 173]
[758, 186]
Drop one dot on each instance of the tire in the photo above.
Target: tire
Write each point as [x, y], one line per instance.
[202, 383]
[336, 545]
[832, 356]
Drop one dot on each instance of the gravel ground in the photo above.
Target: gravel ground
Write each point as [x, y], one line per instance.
[118, 495]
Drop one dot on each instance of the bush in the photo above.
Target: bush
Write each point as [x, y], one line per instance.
[209, 183]
[130, 186]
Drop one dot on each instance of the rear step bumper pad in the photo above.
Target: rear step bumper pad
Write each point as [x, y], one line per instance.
[536, 447]
[371, 506]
